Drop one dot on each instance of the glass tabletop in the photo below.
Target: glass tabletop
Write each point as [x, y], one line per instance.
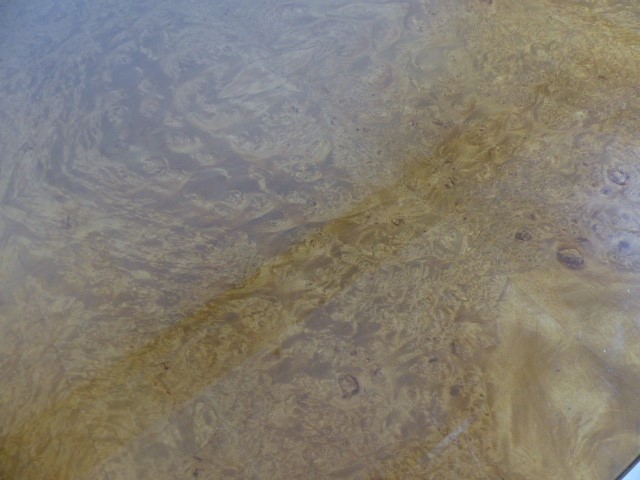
[372, 239]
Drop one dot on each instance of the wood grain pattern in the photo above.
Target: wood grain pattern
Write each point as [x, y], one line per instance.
[367, 240]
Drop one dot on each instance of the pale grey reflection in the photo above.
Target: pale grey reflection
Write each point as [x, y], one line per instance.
[268, 239]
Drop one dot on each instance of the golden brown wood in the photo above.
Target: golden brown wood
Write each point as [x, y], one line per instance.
[320, 240]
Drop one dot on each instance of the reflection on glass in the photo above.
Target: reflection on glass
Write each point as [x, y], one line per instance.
[338, 239]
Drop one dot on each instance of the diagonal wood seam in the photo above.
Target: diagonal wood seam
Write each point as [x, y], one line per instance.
[203, 346]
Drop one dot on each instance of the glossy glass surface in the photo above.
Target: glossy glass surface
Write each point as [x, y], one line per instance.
[368, 239]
